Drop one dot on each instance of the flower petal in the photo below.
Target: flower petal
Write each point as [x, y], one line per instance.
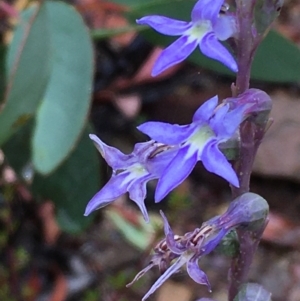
[231, 121]
[166, 275]
[174, 54]
[141, 273]
[113, 157]
[165, 25]
[216, 122]
[196, 274]
[137, 193]
[113, 189]
[165, 132]
[214, 161]
[177, 171]
[170, 236]
[206, 110]
[212, 242]
[225, 27]
[206, 10]
[157, 164]
[211, 47]
[142, 147]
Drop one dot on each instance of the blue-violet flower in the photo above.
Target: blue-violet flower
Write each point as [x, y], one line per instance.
[175, 251]
[197, 141]
[130, 173]
[206, 28]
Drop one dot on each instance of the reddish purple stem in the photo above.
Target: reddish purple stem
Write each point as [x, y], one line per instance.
[251, 136]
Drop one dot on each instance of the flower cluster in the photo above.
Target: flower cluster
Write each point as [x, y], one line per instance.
[174, 150]
[249, 210]
[208, 25]
[170, 156]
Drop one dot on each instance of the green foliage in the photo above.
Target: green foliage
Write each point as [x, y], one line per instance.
[70, 186]
[28, 69]
[50, 66]
[139, 235]
[62, 114]
[103, 33]
[54, 94]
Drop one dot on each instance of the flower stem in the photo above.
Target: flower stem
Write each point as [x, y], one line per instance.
[250, 139]
[245, 43]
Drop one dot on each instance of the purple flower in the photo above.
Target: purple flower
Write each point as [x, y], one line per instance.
[197, 141]
[249, 210]
[186, 249]
[207, 26]
[130, 173]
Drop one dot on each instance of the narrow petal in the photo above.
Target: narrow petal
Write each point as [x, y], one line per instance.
[166, 275]
[113, 189]
[196, 274]
[142, 149]
[137, 193]
[166, 133]
[206, 110]
[170, 236]
[177, 171]
[212, 243]
[141, 274]
[216, 122]
[214, 161]
[231, 122]
[212, 48]
[165, 25]
[157, 165]
[206, 10]
[113, 157]
[225, 27]
[174, 54]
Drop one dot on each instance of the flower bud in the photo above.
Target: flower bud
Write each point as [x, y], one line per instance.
[249, 210]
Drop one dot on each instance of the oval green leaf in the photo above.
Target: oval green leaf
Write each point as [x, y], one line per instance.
[28, 69]
[64, 109]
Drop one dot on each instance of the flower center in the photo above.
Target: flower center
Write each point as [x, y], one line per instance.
[133, 172]
[199, 29]
[200, 137]
[137, 170]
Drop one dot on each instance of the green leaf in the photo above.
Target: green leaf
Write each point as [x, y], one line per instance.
[28, 69]
[276, 60]
[179, 9]
[61, 117]
[139, 235]
[104, 33]
[72, 185]
[130, 3]
[252, 292]
[3, 51]
[17, 149]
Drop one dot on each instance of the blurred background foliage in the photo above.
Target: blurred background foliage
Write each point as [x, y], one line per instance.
[72, 68]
